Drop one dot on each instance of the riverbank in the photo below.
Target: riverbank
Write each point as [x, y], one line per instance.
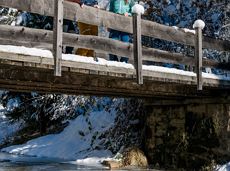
[70, 144]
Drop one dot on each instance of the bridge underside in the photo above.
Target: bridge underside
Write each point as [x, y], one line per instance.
[31, 73]
[26, 79]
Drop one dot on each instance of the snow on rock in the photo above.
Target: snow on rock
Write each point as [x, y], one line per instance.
[138, 9]
[91, 161]
[199, 24]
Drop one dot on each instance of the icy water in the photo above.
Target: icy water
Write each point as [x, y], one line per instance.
[22, 163]
[10, 162]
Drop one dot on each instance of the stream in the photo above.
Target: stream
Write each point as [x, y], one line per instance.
[9, 162]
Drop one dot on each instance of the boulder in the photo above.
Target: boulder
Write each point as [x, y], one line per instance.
[132, 157]
[112, 164]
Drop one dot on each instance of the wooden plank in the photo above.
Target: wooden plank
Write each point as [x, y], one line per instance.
[57, 36]
[43, 80]
[46, 62]
[199, 56]
[116, 72]
[80, 65]
[115, 21]
[137, 47]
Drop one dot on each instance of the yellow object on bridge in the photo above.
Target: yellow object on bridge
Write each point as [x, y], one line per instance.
[86, 29]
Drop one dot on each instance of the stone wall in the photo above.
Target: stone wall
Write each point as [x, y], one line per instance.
[190, 135]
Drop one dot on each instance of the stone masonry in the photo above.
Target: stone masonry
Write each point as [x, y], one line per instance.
[183, 135]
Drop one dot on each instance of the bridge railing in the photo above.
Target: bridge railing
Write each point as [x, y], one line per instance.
[72, 11]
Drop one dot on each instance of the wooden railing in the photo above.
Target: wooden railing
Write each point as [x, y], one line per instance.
[72, 11]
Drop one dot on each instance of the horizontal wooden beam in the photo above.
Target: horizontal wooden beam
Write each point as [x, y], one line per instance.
[22, 61]
[41, 79]
[99, 17]
[43, 39]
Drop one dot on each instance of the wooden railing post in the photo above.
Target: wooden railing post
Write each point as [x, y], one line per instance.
[137, 46]
[57, 36]
[198, 25]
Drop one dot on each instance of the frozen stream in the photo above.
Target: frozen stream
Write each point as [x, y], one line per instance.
[10, 162]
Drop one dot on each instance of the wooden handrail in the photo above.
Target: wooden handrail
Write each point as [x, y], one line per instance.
[43, 38]
[135, 25]
[100, 17]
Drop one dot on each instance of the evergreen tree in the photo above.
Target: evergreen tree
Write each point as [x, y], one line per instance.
[37, 21]
[39, 112]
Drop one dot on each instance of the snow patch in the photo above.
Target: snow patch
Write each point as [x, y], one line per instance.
[225, 167]
[189, 31]
[26, 51]
[199, 24]
[138, 9]
[184, 30]
[70, 144]
[91, 161]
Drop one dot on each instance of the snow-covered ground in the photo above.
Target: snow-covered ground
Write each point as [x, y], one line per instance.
[225, 167]
[77, 142]
[101, 61]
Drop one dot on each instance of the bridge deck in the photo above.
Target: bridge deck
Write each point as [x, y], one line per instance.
[26, 69]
